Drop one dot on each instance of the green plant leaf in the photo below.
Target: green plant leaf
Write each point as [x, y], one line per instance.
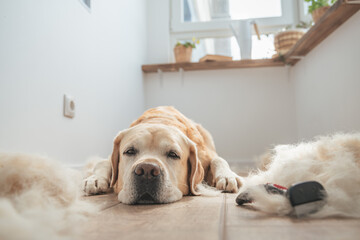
[315, 4]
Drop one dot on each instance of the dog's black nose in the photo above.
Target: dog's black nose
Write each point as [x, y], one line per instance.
[147, 170]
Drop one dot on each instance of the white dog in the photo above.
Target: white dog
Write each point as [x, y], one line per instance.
[333, 161]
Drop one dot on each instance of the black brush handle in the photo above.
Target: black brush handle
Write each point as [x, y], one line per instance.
[306, 192]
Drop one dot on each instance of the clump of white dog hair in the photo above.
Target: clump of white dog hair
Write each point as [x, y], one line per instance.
[333, 161]
[39, 199]
[207, 191]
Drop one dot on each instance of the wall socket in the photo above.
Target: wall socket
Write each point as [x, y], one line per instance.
[69, 106]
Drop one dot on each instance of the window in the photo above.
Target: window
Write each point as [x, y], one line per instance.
[209, 20]
[204, 11]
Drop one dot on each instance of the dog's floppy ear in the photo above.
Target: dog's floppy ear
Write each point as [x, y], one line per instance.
[197, 170]
[115, 157]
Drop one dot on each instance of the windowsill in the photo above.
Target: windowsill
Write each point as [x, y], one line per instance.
[190, 66]
[339, 13]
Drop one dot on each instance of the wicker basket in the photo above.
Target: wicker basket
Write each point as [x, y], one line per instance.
[317, 13]
[182, 53]
[285, 40]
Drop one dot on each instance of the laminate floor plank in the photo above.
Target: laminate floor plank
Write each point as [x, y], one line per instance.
[189, 218]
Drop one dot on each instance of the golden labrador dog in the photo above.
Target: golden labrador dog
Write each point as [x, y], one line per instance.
[160, 158]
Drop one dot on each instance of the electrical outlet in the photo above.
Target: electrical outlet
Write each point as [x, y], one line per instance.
[69, 106]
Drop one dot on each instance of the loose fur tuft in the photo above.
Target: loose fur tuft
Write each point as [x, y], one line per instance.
[205, 190]
[39, 199]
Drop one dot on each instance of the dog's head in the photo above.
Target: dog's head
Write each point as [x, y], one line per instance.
[154, 164]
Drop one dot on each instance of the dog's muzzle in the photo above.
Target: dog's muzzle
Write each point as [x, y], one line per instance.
[148, 178]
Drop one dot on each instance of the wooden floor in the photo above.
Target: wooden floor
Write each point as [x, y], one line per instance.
[205, 218]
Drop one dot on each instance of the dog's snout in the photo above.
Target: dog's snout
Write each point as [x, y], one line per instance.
[147, 170]
[148, 181]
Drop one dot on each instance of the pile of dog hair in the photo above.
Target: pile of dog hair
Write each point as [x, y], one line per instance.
[39, 199]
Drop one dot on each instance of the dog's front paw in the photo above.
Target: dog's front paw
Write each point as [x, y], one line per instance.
[228, 182]
[95, 185]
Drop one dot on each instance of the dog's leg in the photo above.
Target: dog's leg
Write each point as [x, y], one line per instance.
[99, 179]
[223, 177]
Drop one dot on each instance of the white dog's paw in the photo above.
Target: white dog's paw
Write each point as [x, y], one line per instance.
[95, 185]
[228, 182]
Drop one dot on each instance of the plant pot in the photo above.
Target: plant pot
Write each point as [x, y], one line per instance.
[182, 53]
[317, 13]
[284, 41]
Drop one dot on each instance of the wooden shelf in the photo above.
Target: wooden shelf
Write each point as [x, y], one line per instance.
[174, 67]
[341, 11]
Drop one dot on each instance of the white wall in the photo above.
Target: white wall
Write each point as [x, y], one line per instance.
[52, 47]
[327, 84]
[158, 29]
[246, 110]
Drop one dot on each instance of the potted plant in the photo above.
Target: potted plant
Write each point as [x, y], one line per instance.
[183, 51]
[317, 8]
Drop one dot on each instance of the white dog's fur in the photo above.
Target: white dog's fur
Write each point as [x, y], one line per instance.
[334, 161]
[39, 199]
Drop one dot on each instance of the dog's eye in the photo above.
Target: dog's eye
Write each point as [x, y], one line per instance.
[130, 151]
[173, 155]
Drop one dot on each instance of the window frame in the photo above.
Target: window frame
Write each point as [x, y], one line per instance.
[265, 24]
[305, 17]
